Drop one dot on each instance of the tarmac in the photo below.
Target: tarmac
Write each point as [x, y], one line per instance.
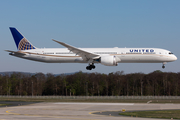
[76, 110]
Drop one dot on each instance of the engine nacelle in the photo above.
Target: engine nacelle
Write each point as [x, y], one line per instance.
[109, 60]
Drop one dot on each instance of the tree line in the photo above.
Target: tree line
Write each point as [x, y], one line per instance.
[156, 83]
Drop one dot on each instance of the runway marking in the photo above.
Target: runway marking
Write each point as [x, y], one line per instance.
[92, 113]
[65, 103]
[52, 109]
[50, 116]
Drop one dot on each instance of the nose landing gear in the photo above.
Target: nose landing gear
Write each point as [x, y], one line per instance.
[163, 66]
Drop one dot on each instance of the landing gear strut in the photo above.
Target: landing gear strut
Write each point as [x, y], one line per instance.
[91, 66]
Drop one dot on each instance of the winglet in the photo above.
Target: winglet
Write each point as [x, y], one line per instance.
[21, 42]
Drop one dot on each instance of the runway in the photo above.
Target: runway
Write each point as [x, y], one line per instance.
[78, 111]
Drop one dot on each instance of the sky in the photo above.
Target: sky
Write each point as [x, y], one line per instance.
[90, 24]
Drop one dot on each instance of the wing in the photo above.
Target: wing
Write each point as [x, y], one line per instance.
[84, 54]
[16, 52]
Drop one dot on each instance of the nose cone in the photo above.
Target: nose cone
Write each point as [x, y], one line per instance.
[174, 58]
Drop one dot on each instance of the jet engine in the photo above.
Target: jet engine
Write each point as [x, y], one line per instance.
[109, 60]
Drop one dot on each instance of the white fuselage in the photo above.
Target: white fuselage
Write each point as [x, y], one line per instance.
[124, 55]
[104, 56]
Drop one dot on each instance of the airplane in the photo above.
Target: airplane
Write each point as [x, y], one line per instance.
[104, 56]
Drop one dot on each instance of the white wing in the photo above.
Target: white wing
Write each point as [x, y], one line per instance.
[84, 54]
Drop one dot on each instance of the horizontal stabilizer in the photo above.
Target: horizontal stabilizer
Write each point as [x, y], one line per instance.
[16, 52]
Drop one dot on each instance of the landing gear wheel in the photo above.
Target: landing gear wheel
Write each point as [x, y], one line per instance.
[90, 67]
[93, 67]
[163, 66]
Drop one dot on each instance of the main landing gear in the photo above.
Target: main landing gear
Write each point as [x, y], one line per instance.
[91, 66]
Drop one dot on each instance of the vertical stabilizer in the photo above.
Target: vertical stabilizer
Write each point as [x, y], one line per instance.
[21, 42]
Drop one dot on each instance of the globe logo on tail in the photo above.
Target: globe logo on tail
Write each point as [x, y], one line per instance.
[25, 45]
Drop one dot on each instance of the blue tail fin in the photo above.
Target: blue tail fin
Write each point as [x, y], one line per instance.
[21, 42]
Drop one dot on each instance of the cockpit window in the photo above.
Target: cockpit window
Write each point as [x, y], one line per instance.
[170, 53]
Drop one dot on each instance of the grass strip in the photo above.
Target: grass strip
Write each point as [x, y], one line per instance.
[4, 104]
[89, 100]
[167, 114]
